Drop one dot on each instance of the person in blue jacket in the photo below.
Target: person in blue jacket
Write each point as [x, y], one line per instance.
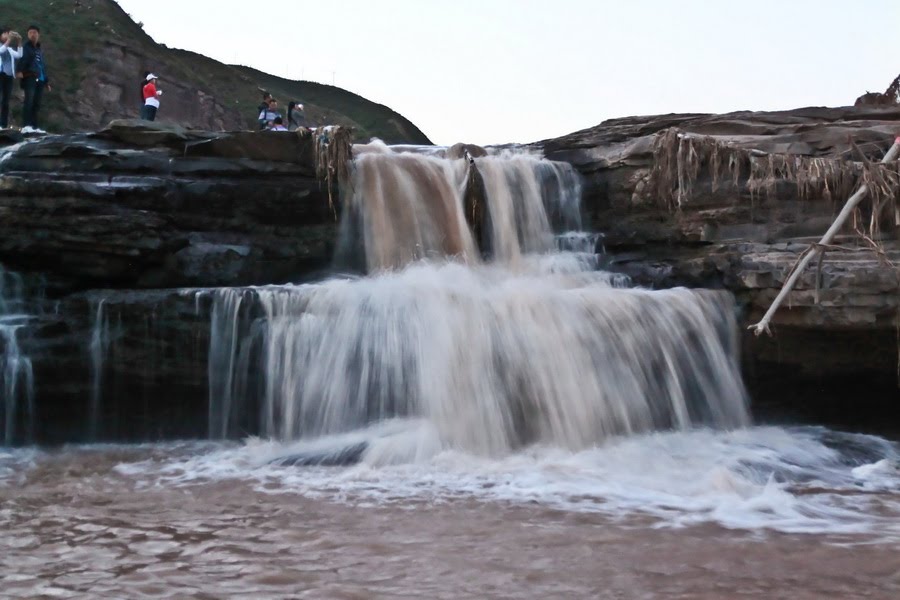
[33, 71]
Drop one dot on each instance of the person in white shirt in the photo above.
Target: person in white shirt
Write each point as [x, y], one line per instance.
[10, 52]
[268, 115]
[278, 125]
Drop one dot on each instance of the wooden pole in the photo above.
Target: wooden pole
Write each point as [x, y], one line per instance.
[816, 249]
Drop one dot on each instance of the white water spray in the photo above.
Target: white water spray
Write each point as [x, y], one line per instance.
[538, 348]
[493, 360]
[16, 373]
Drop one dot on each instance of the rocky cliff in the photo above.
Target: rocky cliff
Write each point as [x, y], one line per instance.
[141, 206]
[731, 201]
[105, 226]
[120, 234]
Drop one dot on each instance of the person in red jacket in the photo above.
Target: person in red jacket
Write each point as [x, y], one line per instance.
[151, 98]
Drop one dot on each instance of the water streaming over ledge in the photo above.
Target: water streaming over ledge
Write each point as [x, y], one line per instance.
[408, 206]
[492, 360]
[535, 346]
[513, 370]
[405, 207]
[16, 374]
[526, 197]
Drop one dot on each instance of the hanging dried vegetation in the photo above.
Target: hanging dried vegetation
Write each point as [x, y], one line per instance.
[680, 160]
[334, 158]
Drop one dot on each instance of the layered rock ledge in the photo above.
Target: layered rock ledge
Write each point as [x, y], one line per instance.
[838, 331]
[109, 227]
[140, 206]
[106, 227]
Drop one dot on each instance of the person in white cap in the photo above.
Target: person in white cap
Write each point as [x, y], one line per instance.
[151, 98]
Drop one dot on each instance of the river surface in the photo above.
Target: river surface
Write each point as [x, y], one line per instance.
[503, 420]
[763, 512]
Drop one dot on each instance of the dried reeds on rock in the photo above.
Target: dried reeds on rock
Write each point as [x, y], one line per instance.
[681, 159]
[334, 156]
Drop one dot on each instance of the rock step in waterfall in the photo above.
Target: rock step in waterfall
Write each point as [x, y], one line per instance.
[483, 342]
[480, 322]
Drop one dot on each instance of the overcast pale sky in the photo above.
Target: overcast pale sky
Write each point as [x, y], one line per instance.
[493, 71]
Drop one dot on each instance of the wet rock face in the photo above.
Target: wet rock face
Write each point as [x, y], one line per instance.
[138, 206]
[115, 366]
[841, 320]
[107, 227]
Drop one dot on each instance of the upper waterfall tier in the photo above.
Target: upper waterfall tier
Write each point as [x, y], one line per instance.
[407, 205]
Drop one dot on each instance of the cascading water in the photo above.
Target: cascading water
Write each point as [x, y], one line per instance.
[403, 208]
[99, 349]
[408, 206]
[489, 359]
[510, 370]
[527, 199]
[16, 374]
[537, 347]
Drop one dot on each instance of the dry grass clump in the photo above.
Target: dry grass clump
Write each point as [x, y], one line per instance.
[680, 160]
[334, 157]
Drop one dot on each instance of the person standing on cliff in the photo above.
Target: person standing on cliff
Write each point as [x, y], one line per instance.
[151, 98]
[296, 118]
[264, 105]
[33, 71]
[10, 52]
[268, 115]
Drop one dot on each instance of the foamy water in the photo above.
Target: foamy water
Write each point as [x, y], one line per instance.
[212, 520]
[802, 480]
[530, 428]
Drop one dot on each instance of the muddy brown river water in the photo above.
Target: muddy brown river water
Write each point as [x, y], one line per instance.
[476, 418]
[163, 522]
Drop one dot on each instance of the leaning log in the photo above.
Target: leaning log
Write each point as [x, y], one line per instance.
[816, 249]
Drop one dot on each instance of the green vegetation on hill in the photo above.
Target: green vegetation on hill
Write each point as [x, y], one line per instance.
[88, 40]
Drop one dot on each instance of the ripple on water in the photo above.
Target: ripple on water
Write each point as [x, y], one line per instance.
[219, 519]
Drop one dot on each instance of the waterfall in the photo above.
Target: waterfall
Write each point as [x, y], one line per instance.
[99, 348]
[408, 206]
[223, 356]
[578, 241]
[527, 198]
[16, 373]
[535, 346]
[491, 359]
[403, 208]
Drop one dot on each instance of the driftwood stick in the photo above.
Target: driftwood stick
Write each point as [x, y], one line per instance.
[815, 249]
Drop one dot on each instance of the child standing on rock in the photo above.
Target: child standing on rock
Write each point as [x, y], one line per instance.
[151, 98]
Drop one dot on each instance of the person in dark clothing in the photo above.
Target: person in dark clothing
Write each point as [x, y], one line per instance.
[296, 118]
[264, 106]
[33, 71]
